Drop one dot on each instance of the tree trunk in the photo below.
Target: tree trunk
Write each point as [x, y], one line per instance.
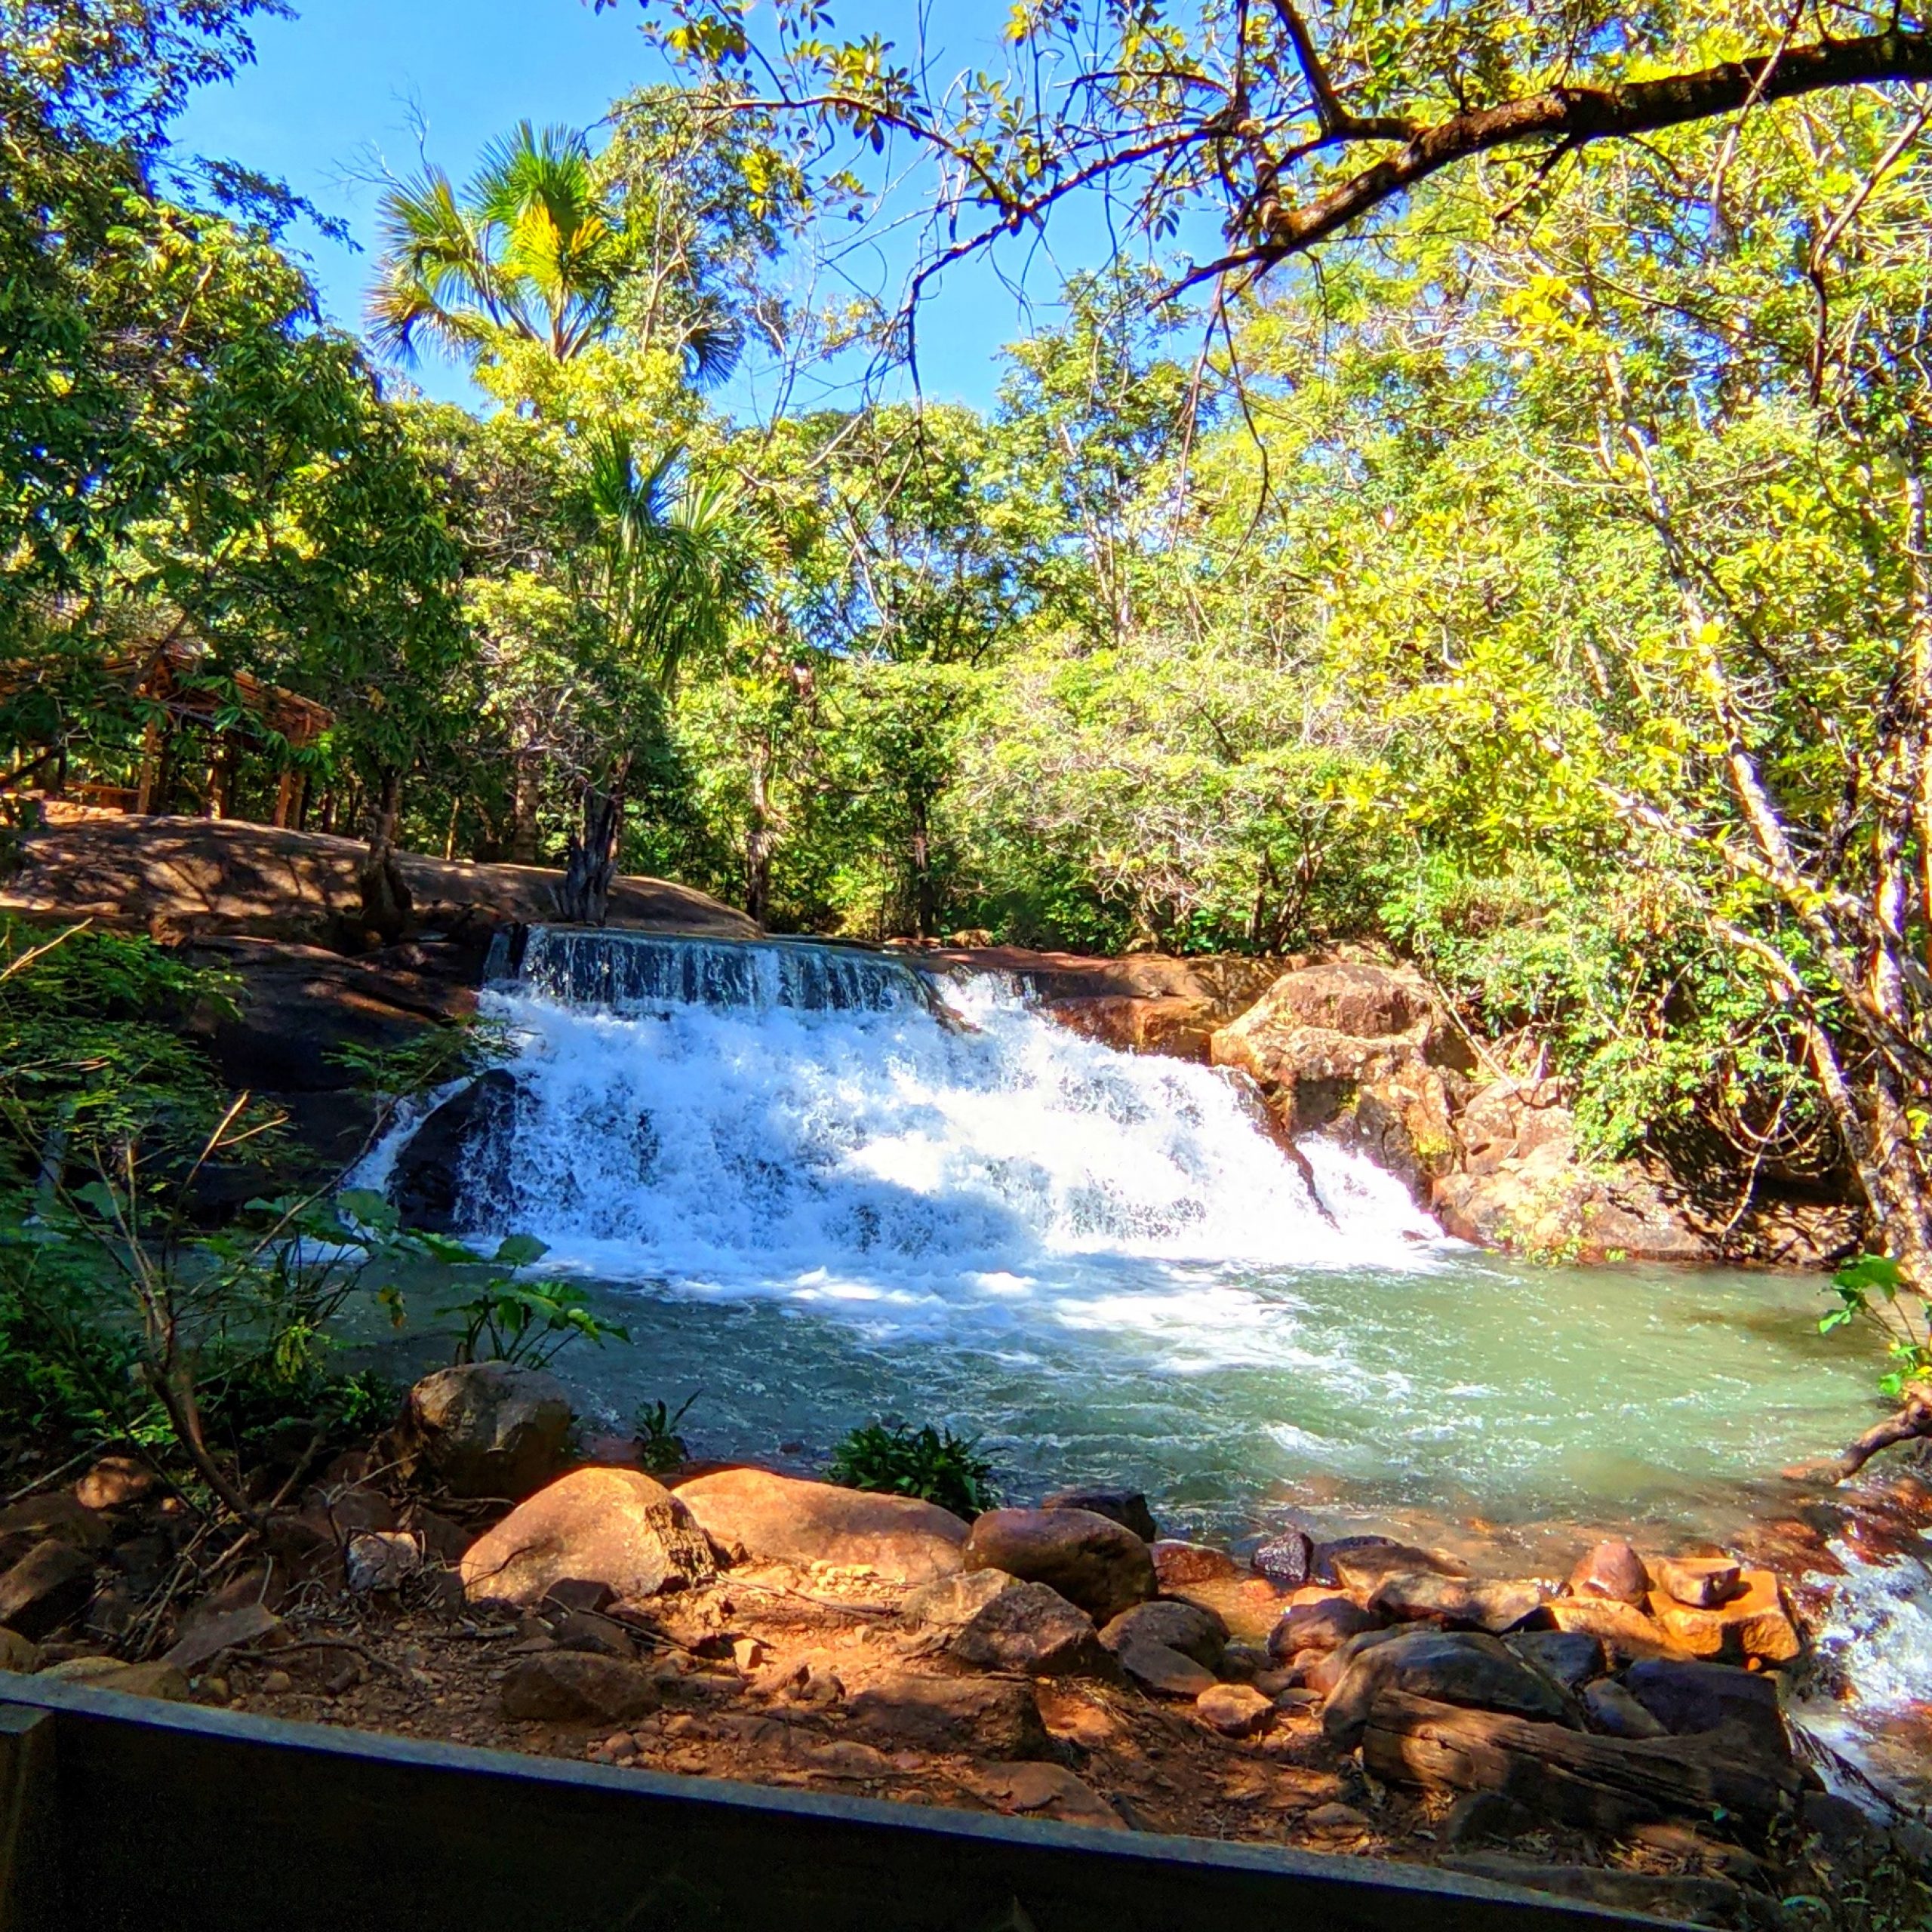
[583, 898]
[386, 904]
[524, 798]
[925, 898]
[758, 840]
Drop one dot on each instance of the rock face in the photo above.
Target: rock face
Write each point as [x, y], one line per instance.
[461, 1152]
[614, 1526]
[990, 1621]
[783, 1519]
[1090, 1560]
[488, 1427]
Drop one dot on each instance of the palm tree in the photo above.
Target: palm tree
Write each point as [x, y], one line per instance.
[530, 249]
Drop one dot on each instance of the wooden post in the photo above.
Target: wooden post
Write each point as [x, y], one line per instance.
[288, 798]
[29, 1849]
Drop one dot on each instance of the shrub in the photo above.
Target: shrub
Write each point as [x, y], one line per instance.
[894, 1459]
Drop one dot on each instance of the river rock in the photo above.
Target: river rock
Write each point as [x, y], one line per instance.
[1448, 1667]
[1320, 1626]
[1127, 1507]
[1178, 1565]
[1163, 1670]
[1286, 1559]
[1614, 1572]
[617, 1526]
[1623, 1630]
[1321, 1671]
[968, 1716]
[1235, 1710]
[1753, 1625]
[51, 1582]
[786, 1519]
[990, 1621]
[1357, 1564]
[1191, 1629]
[1460, 1602]
[575, 1687]
[1090, 1560]
[1699, 1582]
[114, 1482]
[454, 1151]
[487, 1428]
[1572, 1657]
[1689, 1697]
[1612, 1710]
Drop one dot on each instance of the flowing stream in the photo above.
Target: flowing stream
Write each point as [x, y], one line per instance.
[817, 1187]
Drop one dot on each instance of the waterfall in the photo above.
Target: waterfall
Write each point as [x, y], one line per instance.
[778, 1117]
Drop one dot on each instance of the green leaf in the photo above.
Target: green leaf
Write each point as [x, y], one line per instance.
[373, 1210]
[520, 1251]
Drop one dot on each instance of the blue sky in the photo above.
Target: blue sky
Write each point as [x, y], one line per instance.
[336, 89]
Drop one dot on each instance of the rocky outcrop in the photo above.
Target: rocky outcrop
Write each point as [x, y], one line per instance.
[487, 1428]
[617, 1528]
[460, 1154]
[783, 1519]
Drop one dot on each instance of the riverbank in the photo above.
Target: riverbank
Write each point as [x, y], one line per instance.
[1360, 1694]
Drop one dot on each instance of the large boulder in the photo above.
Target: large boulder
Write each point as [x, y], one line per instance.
[618, 1528]
[1447, 1667]
[990, 1621]
[1687, 1698]
[1191, 1629]
[783, 1519]
[458, 1157]
[1127, 1507]
[487, 1428]
[1090, 1560]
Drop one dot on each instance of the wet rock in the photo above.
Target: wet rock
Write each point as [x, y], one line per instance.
[1179, 1564]
[50, 1583]
[1357, 1564]
[1163, 1670]
[614, 1526]
[1689, 1697]
[1191, 1629]
[1127, 1507]
[114, 1482]
[1090, 1560]
[990, 1621]
[784, 1519]
[1752, 1625]
[1614, 1572]
[381, 1560]
[1684, 1900]
[1700, 1583]
[1044, 1791]
[1235, 1710]
[1287, 1560]
[1572, 1657]
[1320, 1626]
[1448, 1667]
[1612, 1710]
[487, 1428]
[978, 1717]
[452, 1152]
[1460, 1602]
[577, 1686]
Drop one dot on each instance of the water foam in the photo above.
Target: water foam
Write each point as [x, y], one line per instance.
[905, 1165]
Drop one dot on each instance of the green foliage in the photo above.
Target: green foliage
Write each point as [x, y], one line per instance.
[660, 1449]
[891, 1456]
[1873, 1289]
[510, 1320]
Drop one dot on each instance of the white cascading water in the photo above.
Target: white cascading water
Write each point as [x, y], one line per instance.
[783, 1118]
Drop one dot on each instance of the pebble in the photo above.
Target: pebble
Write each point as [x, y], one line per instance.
[277, 1684]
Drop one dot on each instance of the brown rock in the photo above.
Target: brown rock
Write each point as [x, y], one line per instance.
[1753, 1625]
[1235, 1710]
[1287, 1560]
[1325, 1625]
[578, 1686]
[1127, 1507]
[1091, 1562]
[1448, 1667]
[1614, 1572]
[1044, 1791]
[1626, 1632]
[1335, 1820]
[488, 1427]
[1177, 1565]
[381, 1560]
[1191, 1629]
[1700, 1583]
[1459, 1601]
[616, 1527]
[59, 1515]
[783, 1519]
[50, 1583]
[203, 1635]
[1357, 1564]
[113, 1482]
[969, 1716]
[988, 1621]
[159, 1679]
[1161, 1668]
